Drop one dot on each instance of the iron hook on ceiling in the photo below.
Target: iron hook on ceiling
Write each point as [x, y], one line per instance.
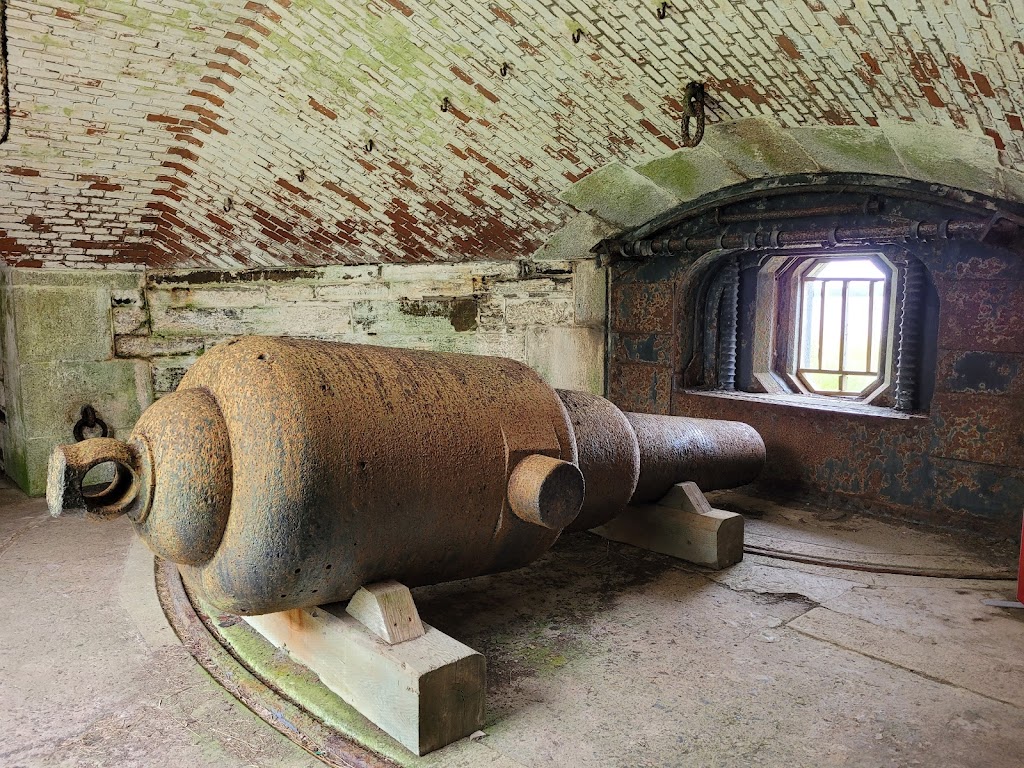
[693, 109]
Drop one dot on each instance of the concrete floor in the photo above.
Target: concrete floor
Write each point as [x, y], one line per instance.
[598, 655]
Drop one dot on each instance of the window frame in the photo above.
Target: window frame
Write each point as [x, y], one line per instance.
[775, 342]
[793, 371]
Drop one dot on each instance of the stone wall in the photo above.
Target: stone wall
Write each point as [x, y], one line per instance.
[58, 355]
[548, 314]
[115, 339]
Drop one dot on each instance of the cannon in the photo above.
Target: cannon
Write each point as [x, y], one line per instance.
[286, 473]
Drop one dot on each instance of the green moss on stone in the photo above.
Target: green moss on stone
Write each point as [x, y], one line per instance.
[946, 156]
[850, 149]
[688, 174]
[758, 148]
[619, 196]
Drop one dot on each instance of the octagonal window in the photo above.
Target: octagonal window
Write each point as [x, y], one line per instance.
[843, 323]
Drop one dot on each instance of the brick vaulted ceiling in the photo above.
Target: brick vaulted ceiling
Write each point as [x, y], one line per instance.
[229, 133]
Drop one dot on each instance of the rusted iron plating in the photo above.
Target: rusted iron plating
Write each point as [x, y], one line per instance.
[285, 473]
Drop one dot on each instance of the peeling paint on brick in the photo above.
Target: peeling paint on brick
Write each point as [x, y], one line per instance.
[207, 101]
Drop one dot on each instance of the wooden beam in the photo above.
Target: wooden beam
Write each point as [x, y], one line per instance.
[425, 692]
[682, 524]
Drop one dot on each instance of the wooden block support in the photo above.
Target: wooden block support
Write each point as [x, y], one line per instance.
[684, 525]
[388, 610]
[425, 692]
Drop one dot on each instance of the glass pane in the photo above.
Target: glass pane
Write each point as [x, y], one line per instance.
[858, 326]
[862, 268]
[810, 325]
[854, 385]
[878, 291]
[823, 382]
[833, 307]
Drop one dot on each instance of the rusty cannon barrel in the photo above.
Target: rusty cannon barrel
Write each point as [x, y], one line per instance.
[286, 473]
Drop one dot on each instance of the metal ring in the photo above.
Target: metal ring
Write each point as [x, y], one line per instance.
[693, 108]
[89, 420]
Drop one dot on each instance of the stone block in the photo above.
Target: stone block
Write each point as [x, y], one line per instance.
[499, 344]
[147, 346]
[536, 285]
[308, 320]
[590, 293]
[437, 315]
[61, 322]
[1011, 183]
[619, 196]
[545, 310]
[128, 319]
[168, 372]
[757, 147]
[241, 295]
[53, 395]
[568, 358]
[690, 173]
[491, 313]
[113, 280]
[354, 291]
[576, 239]
[191, 321]
[850, 149]
[345, 275]
[945, 155]
[15, 464]
[456, 274]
